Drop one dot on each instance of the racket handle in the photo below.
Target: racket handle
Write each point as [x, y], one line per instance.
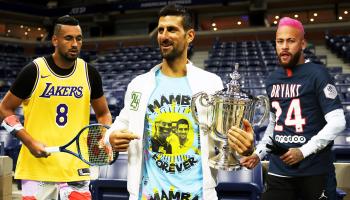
[52, 149]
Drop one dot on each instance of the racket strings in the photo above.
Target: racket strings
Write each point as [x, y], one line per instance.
[94, 150]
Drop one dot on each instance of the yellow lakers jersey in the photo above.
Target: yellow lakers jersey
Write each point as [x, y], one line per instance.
[59, 106]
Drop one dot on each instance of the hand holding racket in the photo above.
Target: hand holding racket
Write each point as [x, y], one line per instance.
[88, 146]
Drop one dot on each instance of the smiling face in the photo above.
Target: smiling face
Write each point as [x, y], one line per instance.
[163, 129]
[290, 43]
[182, 131]
[68, 41]
[172, 38]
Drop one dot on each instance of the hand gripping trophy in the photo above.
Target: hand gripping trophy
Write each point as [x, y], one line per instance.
[218, 112]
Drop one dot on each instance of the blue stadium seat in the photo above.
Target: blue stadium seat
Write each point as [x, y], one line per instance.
[111, 184]
[2, 148]
[339, 45]
[11, 146]
[340, 194]
[241, 184]
[341, 147]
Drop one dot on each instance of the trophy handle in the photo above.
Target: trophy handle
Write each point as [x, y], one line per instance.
[265, 101]
[204, 101]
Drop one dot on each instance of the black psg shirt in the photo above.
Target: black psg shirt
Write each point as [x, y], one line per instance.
[299, 98]
[25, 81]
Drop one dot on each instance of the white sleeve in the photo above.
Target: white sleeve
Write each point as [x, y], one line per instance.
[261, 149]
[122, 120]
[119, 123]
[335, 124]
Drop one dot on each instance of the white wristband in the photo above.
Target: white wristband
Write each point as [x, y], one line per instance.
[12, 124]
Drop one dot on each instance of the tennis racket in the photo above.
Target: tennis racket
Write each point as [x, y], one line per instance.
[89, 147]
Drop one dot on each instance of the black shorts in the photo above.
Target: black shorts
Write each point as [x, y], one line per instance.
[296, 188]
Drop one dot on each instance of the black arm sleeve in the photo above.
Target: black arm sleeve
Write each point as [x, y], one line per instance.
[95, 83]
[25, 81]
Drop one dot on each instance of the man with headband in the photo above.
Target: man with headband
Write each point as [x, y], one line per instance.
[305, 117]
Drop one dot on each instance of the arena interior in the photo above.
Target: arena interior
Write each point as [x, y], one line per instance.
[120, 41]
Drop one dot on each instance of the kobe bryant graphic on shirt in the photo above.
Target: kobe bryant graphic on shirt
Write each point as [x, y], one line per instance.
[172, 146]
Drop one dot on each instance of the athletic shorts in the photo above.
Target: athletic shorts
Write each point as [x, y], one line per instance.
[38, 190]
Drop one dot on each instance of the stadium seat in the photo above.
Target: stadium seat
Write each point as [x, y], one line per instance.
[2, 148]
[339, 45]
[340, 194]
[111, 183]
[341, 147]
[11, 146]
[241, 184]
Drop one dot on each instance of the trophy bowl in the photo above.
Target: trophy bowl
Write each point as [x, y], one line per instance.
[222, 110]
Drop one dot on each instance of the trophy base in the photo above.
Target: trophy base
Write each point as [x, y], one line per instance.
[222, 162]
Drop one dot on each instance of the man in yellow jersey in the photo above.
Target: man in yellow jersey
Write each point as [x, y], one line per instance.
[56, 92]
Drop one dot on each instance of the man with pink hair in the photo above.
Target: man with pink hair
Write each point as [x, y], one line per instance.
[305, 117]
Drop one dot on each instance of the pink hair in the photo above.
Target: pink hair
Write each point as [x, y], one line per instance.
[286, 21]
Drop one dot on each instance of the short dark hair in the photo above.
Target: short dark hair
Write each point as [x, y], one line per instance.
[182, 121]
[64, 20]
[177, 10]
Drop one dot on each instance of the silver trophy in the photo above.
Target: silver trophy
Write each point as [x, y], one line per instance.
[219, 112]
